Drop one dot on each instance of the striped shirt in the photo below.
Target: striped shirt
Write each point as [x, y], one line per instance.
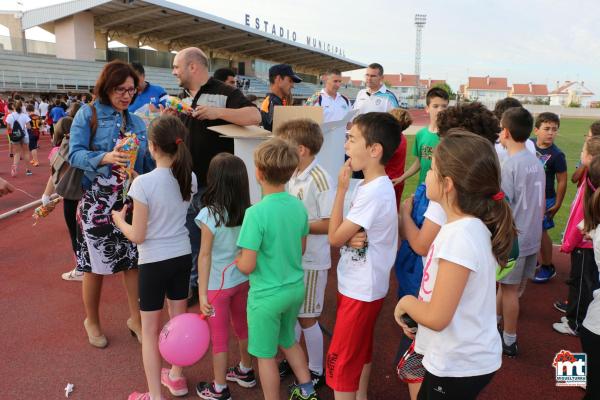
[313, 186]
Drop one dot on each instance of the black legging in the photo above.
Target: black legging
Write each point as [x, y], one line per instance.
[70, 212]
[590, 342]
[583, 280]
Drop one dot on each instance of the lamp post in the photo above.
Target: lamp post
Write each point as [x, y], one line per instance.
[420, 20]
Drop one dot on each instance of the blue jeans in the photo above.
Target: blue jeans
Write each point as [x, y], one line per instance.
[190, 224]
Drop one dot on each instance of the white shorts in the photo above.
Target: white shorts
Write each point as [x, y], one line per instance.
[315, 282]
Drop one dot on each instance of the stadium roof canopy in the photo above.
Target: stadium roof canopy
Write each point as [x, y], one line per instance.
[180, 26]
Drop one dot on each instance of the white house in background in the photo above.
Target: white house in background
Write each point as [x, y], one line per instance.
[429, 83]
[571, 92]
[404, 86]
[530, 92]
[485, 89]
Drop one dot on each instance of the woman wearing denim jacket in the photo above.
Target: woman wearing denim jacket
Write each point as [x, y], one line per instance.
[103, 249]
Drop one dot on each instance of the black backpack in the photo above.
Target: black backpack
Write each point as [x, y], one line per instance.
[17, 133]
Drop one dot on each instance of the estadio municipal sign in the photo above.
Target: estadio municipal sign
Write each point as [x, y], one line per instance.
[282, 32]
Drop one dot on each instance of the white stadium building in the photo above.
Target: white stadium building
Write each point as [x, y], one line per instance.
[83, 29]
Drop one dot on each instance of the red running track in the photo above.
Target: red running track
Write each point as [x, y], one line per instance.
[44, 345]
[419, 117]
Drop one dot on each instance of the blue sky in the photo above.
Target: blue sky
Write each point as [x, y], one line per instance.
[539, 41]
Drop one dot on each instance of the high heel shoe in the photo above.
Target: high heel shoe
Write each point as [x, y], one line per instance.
[96, 341]
[135, 332]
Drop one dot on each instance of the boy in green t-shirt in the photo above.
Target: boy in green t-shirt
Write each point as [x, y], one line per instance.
[437, 100]
[272, 239]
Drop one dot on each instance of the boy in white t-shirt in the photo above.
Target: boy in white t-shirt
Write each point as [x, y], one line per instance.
[311, 184]
[363, 274]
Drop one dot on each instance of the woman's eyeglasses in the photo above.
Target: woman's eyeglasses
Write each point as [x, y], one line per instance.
[121, 91]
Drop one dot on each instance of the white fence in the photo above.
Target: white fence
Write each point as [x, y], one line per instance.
[572, 112]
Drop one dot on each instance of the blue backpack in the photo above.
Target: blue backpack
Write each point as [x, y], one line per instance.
[409, 265]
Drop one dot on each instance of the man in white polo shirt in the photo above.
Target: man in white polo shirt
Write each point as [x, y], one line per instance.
[376, 97]
[335, 105]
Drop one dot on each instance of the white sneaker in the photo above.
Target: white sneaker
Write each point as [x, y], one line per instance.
[564, 320]
[73, 275]
[563, 328]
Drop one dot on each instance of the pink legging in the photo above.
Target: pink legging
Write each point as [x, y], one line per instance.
[232, 302]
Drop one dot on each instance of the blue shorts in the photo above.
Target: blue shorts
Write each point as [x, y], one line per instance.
[33, 142]
[548, 222]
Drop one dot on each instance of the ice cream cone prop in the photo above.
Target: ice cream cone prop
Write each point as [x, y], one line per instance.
[130, 145]
[176, 104]
[43, 211]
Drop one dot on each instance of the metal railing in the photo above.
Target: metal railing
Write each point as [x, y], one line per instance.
[10, 80]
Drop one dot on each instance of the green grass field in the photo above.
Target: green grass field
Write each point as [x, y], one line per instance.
[569, 140]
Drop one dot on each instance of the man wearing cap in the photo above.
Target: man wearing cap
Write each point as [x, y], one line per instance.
[282, 79]
[376, 97]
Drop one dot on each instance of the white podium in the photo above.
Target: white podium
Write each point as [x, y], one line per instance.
[331, 156]
[245, 140]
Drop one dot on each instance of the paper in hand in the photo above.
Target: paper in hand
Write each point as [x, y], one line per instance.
[331, 126]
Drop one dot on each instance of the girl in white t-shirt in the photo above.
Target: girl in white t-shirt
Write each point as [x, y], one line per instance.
[19, 147]
[160, 203]
[456, 313]
[589, 333]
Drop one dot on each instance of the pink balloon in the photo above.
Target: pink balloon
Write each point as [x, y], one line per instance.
[184, 340]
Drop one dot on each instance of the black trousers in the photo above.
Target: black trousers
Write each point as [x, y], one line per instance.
[70, 212]
[438, 388]
[583, 280]
[590, 343]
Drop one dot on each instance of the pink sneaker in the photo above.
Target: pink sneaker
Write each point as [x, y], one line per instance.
[141, 396]
[177, 387]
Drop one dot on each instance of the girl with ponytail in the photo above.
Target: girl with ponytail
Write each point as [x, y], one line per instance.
[455, 308]
[160, 202]
[589, 332]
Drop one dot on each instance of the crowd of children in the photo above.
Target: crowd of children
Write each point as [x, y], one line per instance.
[27, 119]
[533, 182]
[484, 198]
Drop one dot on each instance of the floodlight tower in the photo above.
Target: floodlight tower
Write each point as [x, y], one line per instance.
[420, 20]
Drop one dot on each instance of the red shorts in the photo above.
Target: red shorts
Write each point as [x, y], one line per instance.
[352, 342]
